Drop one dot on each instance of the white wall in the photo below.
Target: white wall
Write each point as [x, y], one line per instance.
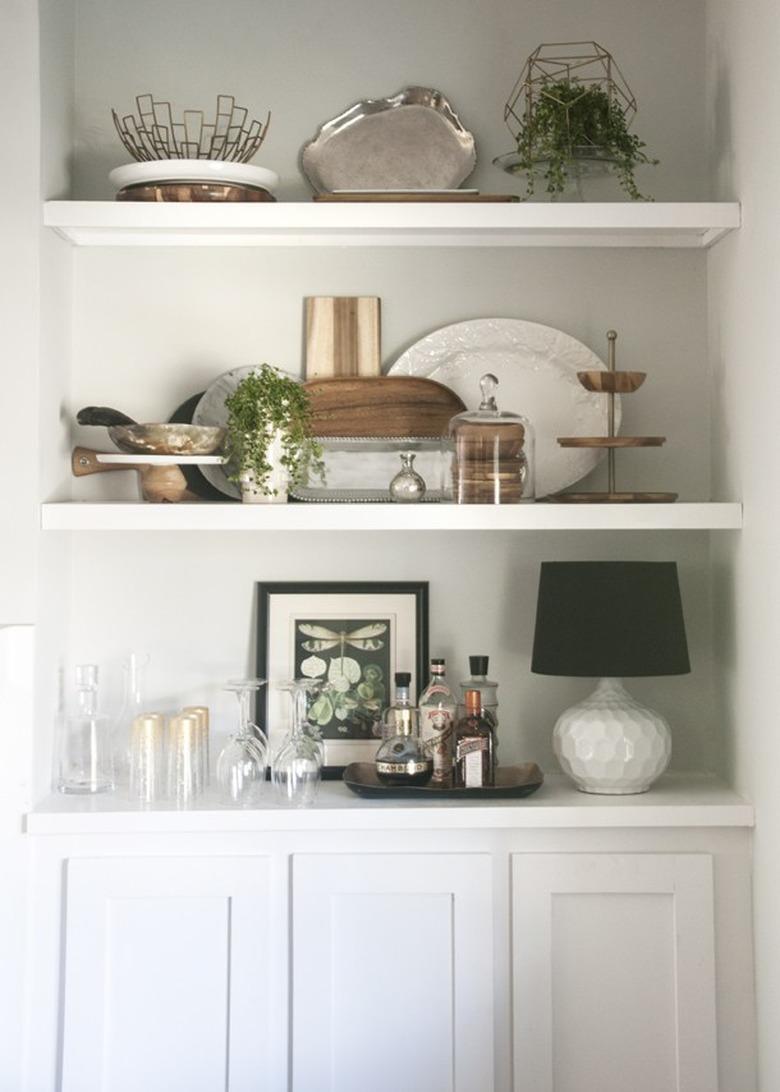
[308, 60]
[19, 273]
[744, 285]
[153, 327]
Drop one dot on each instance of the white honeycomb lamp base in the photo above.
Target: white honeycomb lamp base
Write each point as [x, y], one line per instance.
[611, 744]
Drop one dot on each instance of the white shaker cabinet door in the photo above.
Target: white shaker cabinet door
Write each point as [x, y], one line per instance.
[392, 973]
[166, 974]
[613, 973]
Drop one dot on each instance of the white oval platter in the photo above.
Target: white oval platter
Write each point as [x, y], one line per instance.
[536, 367]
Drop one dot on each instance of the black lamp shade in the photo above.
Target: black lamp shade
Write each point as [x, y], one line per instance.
[609, 618]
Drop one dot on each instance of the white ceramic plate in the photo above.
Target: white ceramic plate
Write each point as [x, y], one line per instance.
[193, 170]
[536, 367]
[211, 411]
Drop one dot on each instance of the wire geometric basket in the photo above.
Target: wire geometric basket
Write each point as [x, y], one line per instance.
[585, 63]
[155, 135]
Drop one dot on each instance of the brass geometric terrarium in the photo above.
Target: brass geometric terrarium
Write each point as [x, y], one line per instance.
[585, 63]
[569, 113]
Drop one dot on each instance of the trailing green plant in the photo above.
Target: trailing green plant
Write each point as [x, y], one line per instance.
[266, 401]
[567, 120]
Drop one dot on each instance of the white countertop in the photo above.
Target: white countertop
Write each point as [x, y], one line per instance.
[677, 800]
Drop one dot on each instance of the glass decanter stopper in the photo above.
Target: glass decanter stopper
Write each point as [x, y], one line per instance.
[407, 486]
[86, 758]
[492, 453]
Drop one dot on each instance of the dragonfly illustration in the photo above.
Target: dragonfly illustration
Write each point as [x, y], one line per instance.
[365, 638]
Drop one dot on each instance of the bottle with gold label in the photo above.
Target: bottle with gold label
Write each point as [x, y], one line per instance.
[474, 746]
[437, 723]
[401, 759]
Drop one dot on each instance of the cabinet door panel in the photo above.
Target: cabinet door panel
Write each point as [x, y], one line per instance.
[613, 972]
[166, 974]
[392, 973]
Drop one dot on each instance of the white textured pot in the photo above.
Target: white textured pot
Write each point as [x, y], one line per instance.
[611, 744]
[276, 484]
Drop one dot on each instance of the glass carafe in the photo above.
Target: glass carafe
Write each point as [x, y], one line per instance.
[86, 760]
[296, 769]
[134, 671]
[243, 760]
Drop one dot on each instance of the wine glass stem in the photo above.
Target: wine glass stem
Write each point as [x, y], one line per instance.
[243, 712]
[299, 710]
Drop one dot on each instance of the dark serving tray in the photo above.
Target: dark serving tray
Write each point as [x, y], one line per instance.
[511, 782]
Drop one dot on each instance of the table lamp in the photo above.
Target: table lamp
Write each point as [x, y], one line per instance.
[609, 620]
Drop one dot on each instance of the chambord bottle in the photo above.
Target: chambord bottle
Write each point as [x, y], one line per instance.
[401, 759]
[437, 722]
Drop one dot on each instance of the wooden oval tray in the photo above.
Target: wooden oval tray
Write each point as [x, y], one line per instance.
[381, 406]
[512, 782]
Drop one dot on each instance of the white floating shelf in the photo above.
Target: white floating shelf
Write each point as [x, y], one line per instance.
[76, 516]
[676, 800]
[621, 224]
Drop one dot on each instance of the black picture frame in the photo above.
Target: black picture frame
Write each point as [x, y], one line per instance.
[268, 592]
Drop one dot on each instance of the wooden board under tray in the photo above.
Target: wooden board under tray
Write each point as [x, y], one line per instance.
[512, 782]
[445, 197]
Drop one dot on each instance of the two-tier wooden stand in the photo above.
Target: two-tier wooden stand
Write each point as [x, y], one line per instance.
[611, 383]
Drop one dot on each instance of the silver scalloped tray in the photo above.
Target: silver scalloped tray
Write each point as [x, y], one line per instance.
[358, 469]
[323, 495]
[412, 140]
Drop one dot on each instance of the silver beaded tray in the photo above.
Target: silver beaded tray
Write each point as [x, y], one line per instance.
[359, 469]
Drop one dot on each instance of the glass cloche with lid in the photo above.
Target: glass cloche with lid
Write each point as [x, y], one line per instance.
[493, 453]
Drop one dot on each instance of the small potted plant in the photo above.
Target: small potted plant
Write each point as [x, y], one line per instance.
[269, 445]
[574, 131]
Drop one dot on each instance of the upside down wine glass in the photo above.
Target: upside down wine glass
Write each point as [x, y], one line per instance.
[243, 760]
[296, 769]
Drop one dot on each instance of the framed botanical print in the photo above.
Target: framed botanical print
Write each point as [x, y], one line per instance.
[353, 637]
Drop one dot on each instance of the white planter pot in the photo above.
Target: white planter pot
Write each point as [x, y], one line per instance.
[275, 487]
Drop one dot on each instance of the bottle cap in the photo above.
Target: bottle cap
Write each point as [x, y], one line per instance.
[403, 678]
[473, 700]
[478, 665]
[437, 663]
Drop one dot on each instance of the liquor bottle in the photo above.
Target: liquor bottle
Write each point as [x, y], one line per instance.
[401, 759]
[478, 665]
[402, 710]
[437, 723]
[473, 746]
